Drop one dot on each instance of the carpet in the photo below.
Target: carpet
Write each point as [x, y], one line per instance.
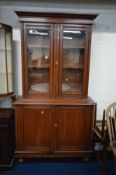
[57, 168]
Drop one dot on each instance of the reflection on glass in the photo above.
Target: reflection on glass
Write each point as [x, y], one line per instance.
[38, 59]
[6, 84]
[73, 79]
[3, 78]
[73, 60]
[9, 60]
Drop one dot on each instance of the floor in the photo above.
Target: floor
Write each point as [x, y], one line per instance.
[59, 167]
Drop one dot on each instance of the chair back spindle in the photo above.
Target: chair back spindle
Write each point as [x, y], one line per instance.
[111, 123]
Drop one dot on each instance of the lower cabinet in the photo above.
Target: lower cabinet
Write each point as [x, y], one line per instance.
[54, 130]
[74, 130]
[34, 129]
[7, 137]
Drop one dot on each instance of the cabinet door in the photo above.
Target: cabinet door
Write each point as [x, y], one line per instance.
[35, 128]
[39, 59]
[74, 59]
[73, 129]
[7, 140]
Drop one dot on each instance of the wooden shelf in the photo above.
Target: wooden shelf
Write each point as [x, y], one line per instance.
[73, 47]
[72, 66]
[3, 50]
[47, 47]
[39, 66]
[38, 46]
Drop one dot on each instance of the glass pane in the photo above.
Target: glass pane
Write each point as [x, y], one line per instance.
[9, 61]
[73, 60]
[10, 83]
[2, 39]
[38, 59]
[8, 40]
[3, 78]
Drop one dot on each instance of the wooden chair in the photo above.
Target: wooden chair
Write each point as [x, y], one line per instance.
[101, 136]
[111, 124]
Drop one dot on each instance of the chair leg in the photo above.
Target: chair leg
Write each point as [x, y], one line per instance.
[104, 159]
[114, 165]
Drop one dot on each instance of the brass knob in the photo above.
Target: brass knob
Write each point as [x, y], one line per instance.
[56, 62]
[42, 112]
[67, 79]
[55, 125]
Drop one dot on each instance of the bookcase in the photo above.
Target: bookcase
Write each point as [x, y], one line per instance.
[54, 116]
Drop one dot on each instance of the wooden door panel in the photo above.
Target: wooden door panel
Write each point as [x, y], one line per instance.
[36, 129]
[72, 129]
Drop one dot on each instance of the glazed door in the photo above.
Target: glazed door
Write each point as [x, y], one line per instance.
[74, 44]
[56, 61]
[38, 60]
[36, 129]
[73, 129]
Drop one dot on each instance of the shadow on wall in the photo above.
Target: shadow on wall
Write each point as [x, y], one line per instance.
[17, 79]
